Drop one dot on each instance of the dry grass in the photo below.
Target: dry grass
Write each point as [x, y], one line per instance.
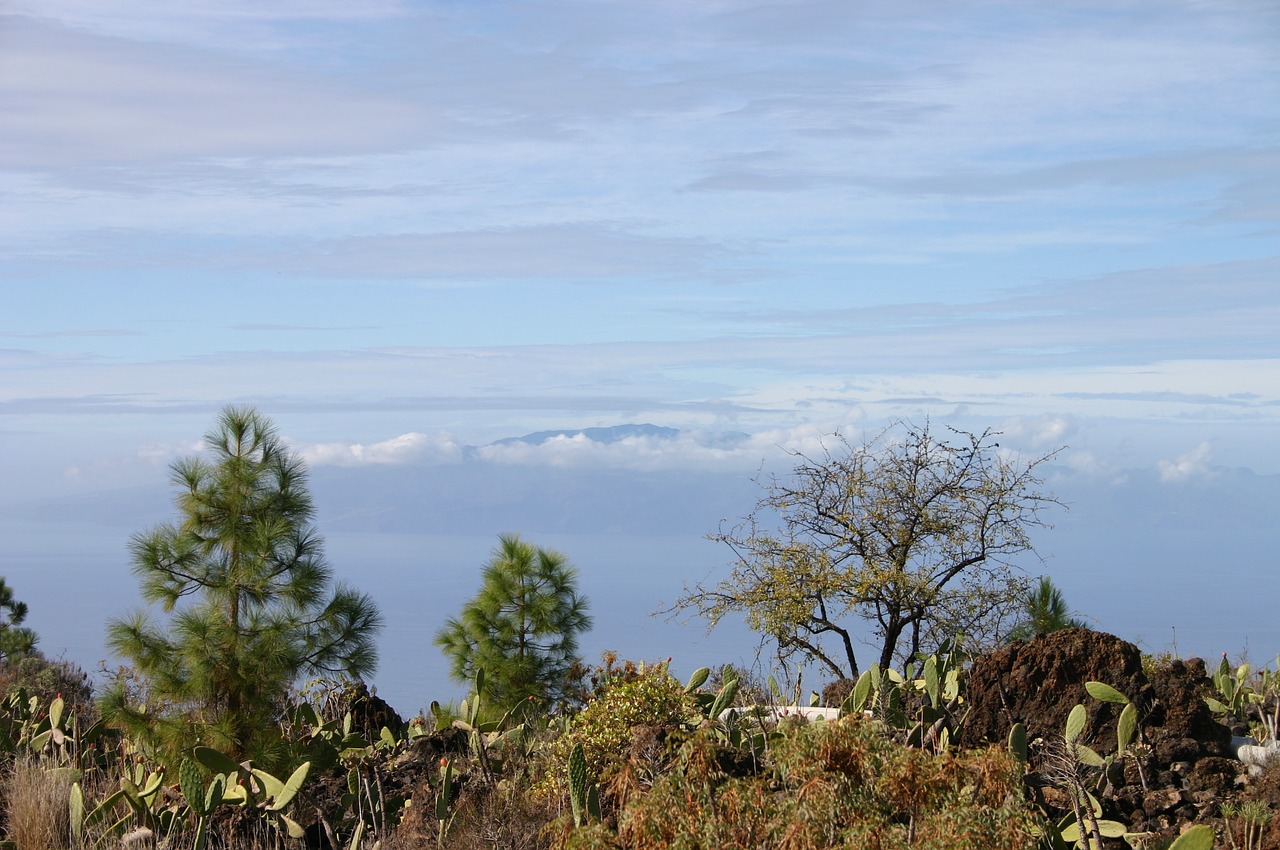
[36, 807]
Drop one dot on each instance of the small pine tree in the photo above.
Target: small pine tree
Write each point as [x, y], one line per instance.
[1044, 610]
[243, 579]
[15, 639]
[521, 628]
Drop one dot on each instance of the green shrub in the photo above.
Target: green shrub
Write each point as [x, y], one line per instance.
[604, 728]
[46, 678]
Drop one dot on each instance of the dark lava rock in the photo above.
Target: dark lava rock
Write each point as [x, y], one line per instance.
[1038, 682]
[835, 693]
[1179, 724]
[369, 712]
[430, 748]
[1214, 774]
[1161, 800]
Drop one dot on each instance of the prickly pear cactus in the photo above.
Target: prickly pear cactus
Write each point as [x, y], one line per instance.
[578, 784]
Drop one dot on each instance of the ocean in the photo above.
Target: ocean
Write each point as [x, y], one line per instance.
[1185, 589]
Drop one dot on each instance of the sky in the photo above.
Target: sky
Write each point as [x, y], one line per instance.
[401, 228]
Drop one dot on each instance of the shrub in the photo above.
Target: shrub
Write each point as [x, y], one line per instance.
[46, 678]
[839, 784]
[653, 699]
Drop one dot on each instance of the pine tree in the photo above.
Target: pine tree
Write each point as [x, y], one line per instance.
[1044, 610]
[15, 639]
[521, 628]
[249, 599]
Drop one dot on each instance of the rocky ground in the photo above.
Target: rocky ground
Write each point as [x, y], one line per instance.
[1183, 770]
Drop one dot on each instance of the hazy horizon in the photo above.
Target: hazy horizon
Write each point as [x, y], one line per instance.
[402, 228]
[1169, 565]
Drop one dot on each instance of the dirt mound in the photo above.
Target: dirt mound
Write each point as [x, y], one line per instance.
[1038, 682]
[1182, 773]
[1179, 724]
[369, 712]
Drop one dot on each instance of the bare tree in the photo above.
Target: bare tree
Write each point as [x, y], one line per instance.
[913, 533]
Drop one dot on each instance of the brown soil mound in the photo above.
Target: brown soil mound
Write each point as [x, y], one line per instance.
[1038, 682]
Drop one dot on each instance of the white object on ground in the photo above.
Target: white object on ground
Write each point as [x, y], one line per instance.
[1255, 755]
[777, 712]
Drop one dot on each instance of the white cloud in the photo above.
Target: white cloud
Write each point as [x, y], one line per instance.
[93, 100]
[405, 449]
[1084, 462]
[708, 450]
[1046, 431]
[162, 453]
[1195, 463]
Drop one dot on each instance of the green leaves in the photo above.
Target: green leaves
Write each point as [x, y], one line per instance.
[522, 626]
[250, 602]
[908, 531]
[15, 639]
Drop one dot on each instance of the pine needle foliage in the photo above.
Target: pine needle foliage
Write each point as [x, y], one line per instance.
[521, 628]
[249, 601]
[1044, 610]
[15, 639]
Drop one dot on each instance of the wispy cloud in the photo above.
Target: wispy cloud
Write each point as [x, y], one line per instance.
[147, 102]
[272, 328]
[405, 449]
[72, 333]
[391, 217]
[1194, 464]
[1047, 431]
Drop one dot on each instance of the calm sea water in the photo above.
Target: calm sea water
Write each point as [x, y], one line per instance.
[1185, 585]
[75, 578]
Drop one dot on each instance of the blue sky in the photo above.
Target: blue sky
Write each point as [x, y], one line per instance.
[402, 227]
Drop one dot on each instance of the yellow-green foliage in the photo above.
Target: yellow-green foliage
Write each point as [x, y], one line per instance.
[830, 785]
[604, 728]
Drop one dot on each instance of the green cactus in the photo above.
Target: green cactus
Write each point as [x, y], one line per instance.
[281, 794]
[1018, 743]
[216, 760]
[724, 698]
[578, 784]
[1196, 838]
[77, 812]
[1126, 725]
[1232, 687]
[1075, 723]
[200, 800]
[253, 788]
[191, 782]
[698, 679]
[859, 699]
[444, 801]
[932, 684]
